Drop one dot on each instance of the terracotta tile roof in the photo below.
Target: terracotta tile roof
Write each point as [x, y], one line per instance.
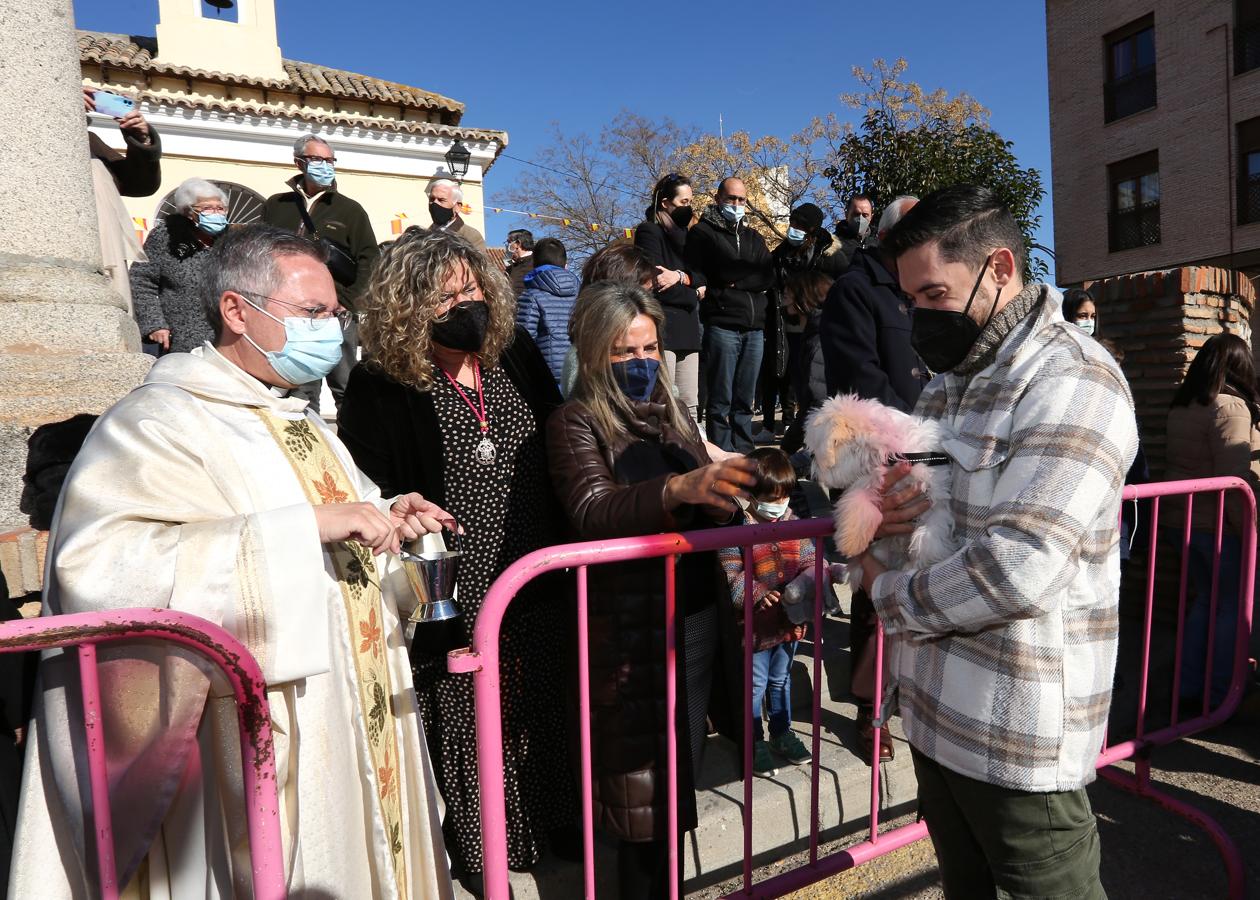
[136, 52]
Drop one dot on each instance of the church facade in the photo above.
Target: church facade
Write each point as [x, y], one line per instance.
[229, 106]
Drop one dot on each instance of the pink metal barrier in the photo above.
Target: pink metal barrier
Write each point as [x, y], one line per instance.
[482, 659]
[84, 631]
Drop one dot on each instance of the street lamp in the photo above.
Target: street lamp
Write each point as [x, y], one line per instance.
[457, 159]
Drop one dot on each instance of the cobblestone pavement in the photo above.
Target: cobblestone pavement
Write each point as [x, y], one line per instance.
[1148, 853]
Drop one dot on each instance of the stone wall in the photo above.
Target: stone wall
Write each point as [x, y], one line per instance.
[1160, 319]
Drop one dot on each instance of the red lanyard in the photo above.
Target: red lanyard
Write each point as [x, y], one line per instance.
[481, 399]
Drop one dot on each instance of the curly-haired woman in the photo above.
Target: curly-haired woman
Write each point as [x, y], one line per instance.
[452, 400]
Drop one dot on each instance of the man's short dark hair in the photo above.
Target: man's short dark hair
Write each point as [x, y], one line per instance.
[855, 198]
[244, 259]
[550, 252]
[966, 221]
[522, 238]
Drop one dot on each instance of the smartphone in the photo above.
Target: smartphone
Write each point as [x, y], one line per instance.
[113, 105]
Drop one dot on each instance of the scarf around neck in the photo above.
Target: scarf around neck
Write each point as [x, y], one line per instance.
[985, 349]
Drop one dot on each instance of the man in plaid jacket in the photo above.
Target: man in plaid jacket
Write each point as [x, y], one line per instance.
[1008, 647]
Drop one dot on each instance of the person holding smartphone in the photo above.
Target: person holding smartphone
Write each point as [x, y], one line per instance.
[138, 171]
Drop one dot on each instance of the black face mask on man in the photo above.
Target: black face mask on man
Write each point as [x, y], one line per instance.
[440, 214]
[463, 327]
[944, 337]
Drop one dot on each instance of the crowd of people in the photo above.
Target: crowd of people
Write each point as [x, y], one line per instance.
[521, 406]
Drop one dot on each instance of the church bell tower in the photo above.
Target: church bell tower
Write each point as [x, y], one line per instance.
[235, 38]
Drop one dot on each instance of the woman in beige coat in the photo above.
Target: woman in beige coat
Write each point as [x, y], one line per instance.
[1212, 431]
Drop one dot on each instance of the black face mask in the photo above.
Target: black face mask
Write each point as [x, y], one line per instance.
[943, 337]
[681, 216]
[464, 327]
[440, 214]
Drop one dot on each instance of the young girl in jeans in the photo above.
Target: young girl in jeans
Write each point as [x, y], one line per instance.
[777, 626]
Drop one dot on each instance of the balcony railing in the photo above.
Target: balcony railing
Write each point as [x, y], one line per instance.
[1130, 93]
[1138, 227]
[1246, 48]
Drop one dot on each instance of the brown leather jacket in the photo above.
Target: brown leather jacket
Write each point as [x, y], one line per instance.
[614, 489]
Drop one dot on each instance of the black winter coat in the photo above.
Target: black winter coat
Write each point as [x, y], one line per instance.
[166, 289]
[614, 489]
[680, 302]
[823, 254]
[138, 173]
[737, 269]
[335, 217]
[865, 337]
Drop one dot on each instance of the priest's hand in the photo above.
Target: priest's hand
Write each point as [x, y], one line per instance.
[413, 516]
[361, 522]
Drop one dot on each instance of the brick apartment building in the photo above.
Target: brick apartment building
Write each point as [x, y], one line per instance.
[1155, 135]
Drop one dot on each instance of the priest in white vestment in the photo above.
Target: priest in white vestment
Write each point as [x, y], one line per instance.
[209, 491]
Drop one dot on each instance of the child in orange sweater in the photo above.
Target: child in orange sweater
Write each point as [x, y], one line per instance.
[777, 626]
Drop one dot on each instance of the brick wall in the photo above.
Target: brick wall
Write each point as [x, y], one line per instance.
[1160, 319]
[1191, 126]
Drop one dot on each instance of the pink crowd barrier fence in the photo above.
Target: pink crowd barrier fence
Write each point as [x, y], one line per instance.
[482, 660]
[84, 632]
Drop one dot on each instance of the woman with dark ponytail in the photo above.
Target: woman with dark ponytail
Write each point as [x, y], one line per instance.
[663, 237]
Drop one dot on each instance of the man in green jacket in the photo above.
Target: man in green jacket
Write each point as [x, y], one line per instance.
[313, 202]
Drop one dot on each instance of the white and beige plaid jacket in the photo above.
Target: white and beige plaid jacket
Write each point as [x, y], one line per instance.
[1008, 648]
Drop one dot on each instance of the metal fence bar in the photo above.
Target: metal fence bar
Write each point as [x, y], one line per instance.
[98, 775]
[749, 649]
[816, 706]
[482, 659]
[584, 733]
[1181, 601]
[671, 719]
[249, 689]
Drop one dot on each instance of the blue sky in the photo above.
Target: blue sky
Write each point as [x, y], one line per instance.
[764, 67]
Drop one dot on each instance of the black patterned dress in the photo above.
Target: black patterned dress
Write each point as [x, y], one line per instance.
[505, 508]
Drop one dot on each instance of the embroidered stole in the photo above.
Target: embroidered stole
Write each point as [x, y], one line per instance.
[324, 480]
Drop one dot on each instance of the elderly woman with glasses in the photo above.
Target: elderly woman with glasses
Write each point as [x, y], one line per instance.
[164, 290]
[451, 400]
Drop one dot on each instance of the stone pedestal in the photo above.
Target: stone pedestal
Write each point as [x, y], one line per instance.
[67, 343]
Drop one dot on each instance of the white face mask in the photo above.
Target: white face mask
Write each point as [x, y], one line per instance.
[1086, 325]
[772, 510]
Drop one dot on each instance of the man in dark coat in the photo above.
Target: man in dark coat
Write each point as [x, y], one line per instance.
[866, 350]
[338, 219]
[519, 258]
[736, 266]
[857, 231]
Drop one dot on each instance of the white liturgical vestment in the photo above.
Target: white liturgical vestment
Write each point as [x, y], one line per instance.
[182, 498]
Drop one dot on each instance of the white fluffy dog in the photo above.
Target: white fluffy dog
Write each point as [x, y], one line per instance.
[854, 442]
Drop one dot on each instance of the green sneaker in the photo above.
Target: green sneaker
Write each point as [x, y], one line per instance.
[763, 759]
[789, 746]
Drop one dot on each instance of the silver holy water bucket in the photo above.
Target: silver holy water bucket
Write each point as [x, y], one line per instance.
[431, 574]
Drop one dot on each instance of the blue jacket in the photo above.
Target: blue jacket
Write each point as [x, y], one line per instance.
[543, 309]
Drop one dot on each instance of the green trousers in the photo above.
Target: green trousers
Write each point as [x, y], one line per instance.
[995, 842]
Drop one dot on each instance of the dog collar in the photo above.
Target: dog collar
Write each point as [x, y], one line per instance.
[926, 459]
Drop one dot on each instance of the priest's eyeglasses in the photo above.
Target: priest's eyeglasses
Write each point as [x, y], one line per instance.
[313, 313]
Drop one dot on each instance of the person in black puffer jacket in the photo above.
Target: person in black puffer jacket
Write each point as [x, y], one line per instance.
[663, 237]
[736, 266]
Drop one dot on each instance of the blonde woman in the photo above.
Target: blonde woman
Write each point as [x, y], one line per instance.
[627, 459]
[452, 400]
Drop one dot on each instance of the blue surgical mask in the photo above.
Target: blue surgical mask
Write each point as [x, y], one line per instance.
[322, 172]
[795, 236]
[732, 212]
[311, 349]
[212, 223]
[637, 377]
[772, 510]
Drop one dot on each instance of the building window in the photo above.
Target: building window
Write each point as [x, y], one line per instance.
[1246, 36]
[1134, 218]
[1130, 84]
[223, 10]
[1249, 171]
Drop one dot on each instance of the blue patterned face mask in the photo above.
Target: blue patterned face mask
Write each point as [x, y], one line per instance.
[637, 377]
[321, 172]
[312, 347]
